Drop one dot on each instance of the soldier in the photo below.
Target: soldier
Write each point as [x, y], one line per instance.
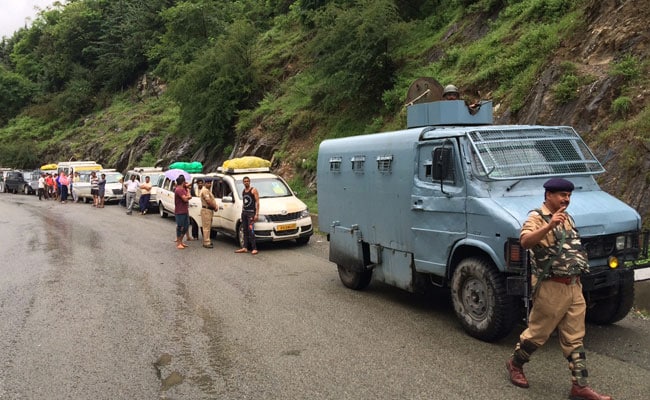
[451, 93]
[557, 262]
[208, 207]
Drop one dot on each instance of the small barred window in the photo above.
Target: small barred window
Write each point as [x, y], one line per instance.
[358, 163]
[385, 164]
[335, 164]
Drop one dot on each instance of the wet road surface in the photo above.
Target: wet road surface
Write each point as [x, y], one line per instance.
[96, 304]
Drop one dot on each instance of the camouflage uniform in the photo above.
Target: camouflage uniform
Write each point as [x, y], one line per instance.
[556, 304]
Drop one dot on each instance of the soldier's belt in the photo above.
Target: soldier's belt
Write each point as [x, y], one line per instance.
[567, 280]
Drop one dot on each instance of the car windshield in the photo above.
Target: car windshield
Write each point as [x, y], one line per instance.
[113, 177]
[154, 178]
[267, 187]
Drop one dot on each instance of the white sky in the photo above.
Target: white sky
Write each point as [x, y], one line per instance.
[13, 14]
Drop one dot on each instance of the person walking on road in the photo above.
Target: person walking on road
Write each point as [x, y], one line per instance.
[208, 207]
[131, 187]
[557, 261]
[250, 210]
[182, 198]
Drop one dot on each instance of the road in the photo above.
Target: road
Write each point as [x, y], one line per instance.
[96, 304]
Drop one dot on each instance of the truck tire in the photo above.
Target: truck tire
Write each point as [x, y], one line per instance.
[26, 190]
[161, 211]
[480, 300]
[303, 240]
[354, 280]
[612, 309]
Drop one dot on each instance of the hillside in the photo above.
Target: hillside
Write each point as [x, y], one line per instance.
[275, 78]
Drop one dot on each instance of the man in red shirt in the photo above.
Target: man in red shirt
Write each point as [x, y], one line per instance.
[182, 198]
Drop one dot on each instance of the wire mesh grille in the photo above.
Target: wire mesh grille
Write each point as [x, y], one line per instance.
[520, 153]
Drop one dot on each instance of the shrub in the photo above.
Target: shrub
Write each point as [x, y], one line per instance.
[621, 106]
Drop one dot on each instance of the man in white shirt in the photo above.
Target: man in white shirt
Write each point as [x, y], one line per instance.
[131, 187]
[41, 186]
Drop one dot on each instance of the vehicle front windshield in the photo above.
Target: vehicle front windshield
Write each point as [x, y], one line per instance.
[267, 187]
[528, 152]
[154, 178]
[113, 178]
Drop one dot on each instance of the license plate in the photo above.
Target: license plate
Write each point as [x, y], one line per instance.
[285, 227]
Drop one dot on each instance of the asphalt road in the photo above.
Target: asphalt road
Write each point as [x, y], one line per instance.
[96, 304]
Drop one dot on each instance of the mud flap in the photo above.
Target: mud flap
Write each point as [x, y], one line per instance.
[346, 248]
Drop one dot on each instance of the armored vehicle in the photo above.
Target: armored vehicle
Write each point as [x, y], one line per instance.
[441, 204]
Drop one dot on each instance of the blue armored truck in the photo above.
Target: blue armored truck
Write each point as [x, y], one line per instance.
[441, 204]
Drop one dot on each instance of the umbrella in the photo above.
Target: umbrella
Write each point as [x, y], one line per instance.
[173, 174]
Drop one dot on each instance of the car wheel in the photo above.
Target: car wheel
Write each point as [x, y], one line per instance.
[161, 211]
[26, 190]
[303, 240]
[480, 299]
[355, 280]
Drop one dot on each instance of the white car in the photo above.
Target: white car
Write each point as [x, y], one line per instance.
[165, 195]
[282, 216]
[113, 191]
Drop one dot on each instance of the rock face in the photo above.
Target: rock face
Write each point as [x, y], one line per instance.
[615, 29]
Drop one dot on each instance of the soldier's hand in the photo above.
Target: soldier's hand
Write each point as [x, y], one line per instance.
[558, 217]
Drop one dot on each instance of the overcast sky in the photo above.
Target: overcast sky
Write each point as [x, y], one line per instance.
[14, 12]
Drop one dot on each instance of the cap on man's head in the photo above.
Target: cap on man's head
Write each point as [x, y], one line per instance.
[558, 185]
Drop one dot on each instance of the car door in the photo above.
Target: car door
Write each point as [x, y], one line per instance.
[228, 213]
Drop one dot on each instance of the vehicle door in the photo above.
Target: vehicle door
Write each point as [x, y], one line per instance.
[438, 204]
[166, 195]
[229, 213]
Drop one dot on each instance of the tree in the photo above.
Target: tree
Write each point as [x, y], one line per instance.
[217, 85]
[350, 51]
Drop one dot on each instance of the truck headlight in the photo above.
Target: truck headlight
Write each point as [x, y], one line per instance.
[620, 242]
[612, 262]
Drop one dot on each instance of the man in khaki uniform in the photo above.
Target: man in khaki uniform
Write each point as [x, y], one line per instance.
[557, 261]
[208, 207]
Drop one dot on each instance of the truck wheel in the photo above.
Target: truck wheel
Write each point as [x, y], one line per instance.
[481, 304]
[161, 211]
[354, 280]
[26, 190]
[303, 240]
[612, 309]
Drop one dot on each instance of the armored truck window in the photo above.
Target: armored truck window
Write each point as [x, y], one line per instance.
[358, 164]
[335, 164]
[429, 164]
[385, 164]
[525, 152]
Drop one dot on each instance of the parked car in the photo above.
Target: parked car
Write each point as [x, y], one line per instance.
[14, 182]
[282, 216]
[31, 181]
[165, 196]
[155, 175]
